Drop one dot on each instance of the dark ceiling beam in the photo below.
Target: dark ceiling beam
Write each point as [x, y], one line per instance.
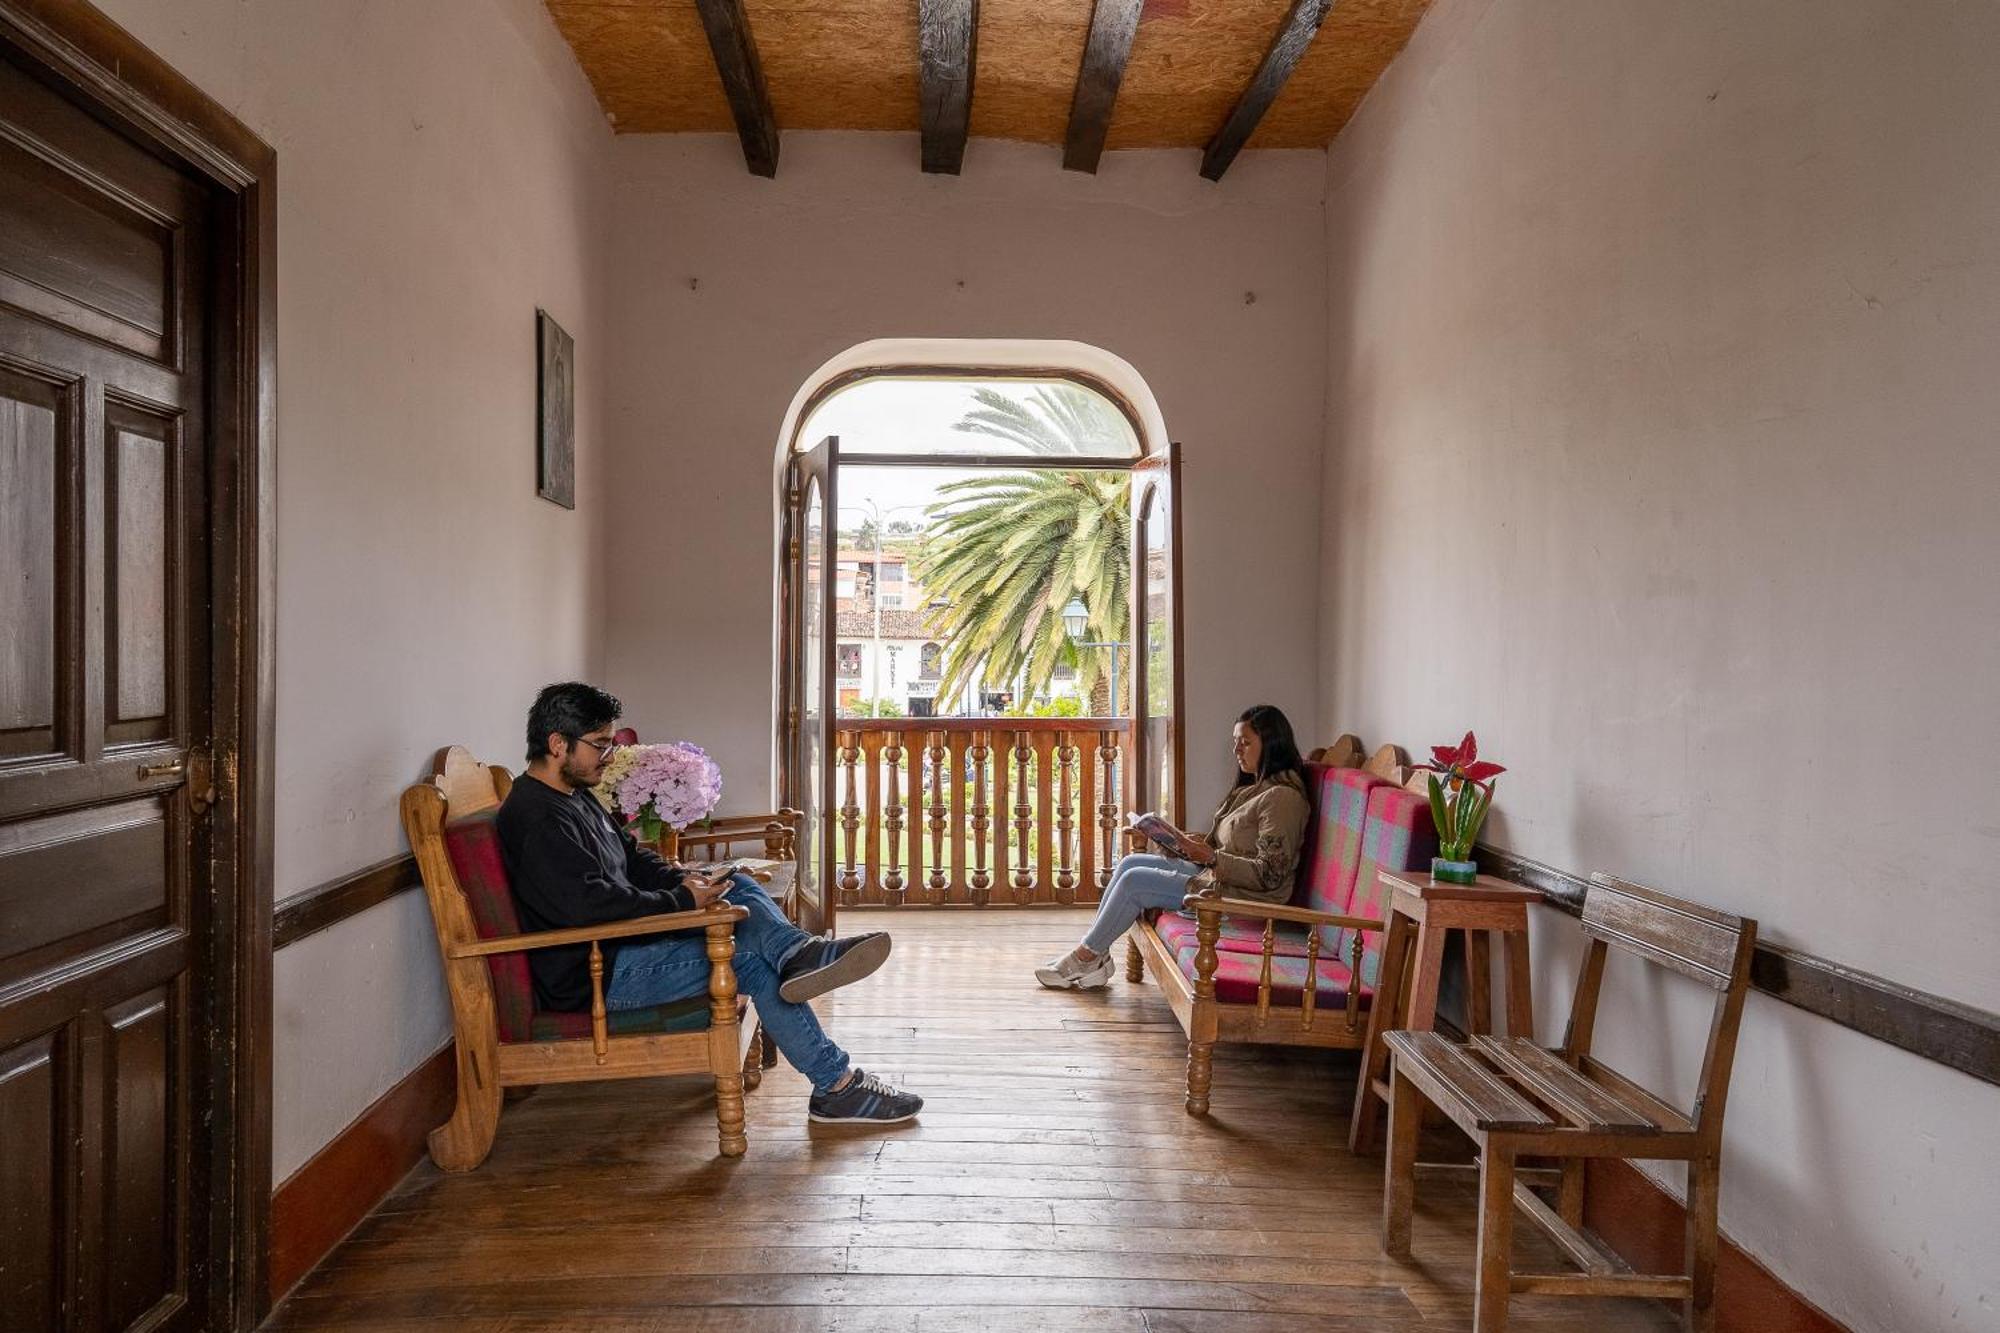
[1112, 25]
[1301, 25]
[743, 80]
[948, 51]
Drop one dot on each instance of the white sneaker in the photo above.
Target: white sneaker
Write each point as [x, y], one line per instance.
[1071, 973]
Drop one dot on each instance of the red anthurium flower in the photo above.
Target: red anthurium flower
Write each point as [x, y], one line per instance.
[1462, 761]
[1481, 772]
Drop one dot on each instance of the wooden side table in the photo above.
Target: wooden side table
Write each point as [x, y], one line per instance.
[1406, 991]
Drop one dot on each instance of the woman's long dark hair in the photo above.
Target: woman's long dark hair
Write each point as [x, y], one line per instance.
[1281, 749]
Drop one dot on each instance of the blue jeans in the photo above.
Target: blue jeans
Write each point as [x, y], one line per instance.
[1143, 880]
[676, 966]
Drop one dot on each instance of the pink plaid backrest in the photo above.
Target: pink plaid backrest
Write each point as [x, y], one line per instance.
[473, 844]
[1340, 813]
[1399, 836]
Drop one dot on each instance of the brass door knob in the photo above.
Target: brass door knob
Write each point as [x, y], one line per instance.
[175, 769]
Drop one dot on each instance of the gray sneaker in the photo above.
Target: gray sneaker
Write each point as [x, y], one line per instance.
[865, 1098]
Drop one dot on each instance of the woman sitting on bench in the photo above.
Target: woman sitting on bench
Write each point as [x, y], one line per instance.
[1251, 851]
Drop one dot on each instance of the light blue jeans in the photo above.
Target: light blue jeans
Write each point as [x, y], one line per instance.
[1142, 880]
[676, 966]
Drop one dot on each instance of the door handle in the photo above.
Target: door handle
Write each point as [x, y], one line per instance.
[197, 769]
[175, 769]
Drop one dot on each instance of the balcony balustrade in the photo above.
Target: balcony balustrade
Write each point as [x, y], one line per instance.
[978, 811]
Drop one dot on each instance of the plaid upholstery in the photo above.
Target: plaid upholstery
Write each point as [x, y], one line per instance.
[1340, 817]
[1236, 976]
[1400, 837]
[473, 844]
[1240, 934]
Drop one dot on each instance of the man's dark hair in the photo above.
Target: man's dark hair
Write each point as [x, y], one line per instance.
[568, 710]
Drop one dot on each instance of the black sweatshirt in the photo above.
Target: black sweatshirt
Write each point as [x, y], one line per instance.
[570, 864]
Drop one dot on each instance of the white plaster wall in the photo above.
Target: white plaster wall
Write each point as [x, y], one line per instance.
[732, 290]
[1661, 403]
[440, 175]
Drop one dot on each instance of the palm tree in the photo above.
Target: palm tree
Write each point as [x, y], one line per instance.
[1005, 555]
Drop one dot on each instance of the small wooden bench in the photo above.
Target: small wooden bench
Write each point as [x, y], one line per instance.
[1517, 1099]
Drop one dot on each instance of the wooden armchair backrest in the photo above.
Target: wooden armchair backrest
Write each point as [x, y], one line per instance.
[459, 785]
[1713, 948]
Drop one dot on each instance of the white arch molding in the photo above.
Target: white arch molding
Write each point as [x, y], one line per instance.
[969, 357]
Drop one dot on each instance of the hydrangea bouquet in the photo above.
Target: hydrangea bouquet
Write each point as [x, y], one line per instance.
[652, 787]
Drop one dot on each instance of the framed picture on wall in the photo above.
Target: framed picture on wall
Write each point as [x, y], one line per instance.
[555, 397]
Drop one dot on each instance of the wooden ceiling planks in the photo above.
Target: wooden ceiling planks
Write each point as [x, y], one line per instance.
[853, 64]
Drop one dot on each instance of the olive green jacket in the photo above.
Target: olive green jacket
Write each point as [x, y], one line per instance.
[1257, 834]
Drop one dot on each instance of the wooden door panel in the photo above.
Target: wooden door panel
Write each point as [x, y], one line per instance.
[143, 1237]
[81, 879]
[141, 524]
[29, 1180]
[36, 466]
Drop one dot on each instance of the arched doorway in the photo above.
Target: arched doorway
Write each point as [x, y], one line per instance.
[982, 798]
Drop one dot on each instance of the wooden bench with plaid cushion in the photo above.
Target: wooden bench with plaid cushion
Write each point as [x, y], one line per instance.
[1236, 970]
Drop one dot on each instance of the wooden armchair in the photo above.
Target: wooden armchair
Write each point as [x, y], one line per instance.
[1516, 1099]
[502, 1040]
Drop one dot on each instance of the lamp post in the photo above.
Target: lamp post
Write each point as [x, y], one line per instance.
[1076, 623]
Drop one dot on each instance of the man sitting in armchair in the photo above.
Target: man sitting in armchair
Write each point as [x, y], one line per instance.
[571, 864]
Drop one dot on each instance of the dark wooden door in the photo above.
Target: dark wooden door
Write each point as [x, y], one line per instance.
[812, 539]
[107, 1022]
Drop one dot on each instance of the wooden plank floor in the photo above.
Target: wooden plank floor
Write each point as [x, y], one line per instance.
[1054, 1182]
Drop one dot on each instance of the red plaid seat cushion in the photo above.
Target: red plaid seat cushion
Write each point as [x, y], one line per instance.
[1236, 976]
[473, 845]
[1400, 837]
[1240, 934]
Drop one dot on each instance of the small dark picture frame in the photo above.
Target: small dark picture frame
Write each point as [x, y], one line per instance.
[555, 402]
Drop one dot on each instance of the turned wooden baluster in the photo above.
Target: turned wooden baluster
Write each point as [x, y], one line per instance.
[981, 881]
[850, 820]
[1264, 972]
[1107, 805]
[892, 822]
[939, 880]
[721, 948]
[1312, 981]
[1065, 866]
[1024, 817]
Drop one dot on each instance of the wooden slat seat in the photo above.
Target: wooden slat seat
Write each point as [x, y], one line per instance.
[1519, 1100]
[1467, 1089]
[1584, 1104]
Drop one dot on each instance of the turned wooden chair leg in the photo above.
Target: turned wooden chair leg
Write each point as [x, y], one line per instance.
[724, 1036]
[1703, 1197]
[462, 1142]
[1399, 1166]
[1135, 962]
[753, 1061]
[1200, 1074]
[1494, 1282]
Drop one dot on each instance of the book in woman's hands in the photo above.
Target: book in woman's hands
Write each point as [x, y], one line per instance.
[1164, 835]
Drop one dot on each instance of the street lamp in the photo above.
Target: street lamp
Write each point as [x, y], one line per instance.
[1076, 624]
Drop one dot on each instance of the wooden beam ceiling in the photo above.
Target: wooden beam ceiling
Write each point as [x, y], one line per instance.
[948, 52]
[1294, 35]
[743, 81]
[1113, 24]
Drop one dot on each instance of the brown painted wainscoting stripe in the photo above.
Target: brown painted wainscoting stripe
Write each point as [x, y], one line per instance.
[1953, 1034]
[328, 1196]
[312, 910]
[1645, 1225]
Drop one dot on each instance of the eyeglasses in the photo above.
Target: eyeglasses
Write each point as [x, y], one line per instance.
[603, 748]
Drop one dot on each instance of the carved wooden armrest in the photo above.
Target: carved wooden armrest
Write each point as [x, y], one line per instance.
[712, 915]
[719, 919]
[1209, 909]
[779, 830]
